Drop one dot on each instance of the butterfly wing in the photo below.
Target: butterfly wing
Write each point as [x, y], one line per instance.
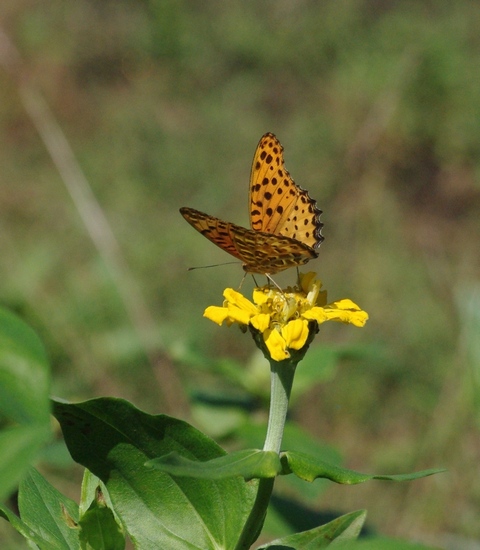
[277, 204]
[273, 253]
[216, 230]
[260, 252]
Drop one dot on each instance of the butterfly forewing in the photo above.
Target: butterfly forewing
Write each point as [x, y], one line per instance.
[260, 252]
[277, 204]
[216, 230]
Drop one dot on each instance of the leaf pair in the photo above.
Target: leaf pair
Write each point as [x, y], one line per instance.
[253, 463]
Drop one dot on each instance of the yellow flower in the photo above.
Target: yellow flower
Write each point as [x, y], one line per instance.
[284, 317]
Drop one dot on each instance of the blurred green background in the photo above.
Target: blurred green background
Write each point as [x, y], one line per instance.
[162, 103]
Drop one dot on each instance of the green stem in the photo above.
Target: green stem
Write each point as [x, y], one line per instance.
[281, 385]
[254, 523]
[281, 380]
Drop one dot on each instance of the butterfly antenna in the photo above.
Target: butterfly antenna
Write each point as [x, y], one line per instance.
[213, 265]
[273, 282]
[243, 279]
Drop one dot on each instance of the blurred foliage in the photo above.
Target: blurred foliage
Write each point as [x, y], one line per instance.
[377, 105]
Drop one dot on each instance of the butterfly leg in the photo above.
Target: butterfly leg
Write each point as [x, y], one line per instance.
[269, 281]
[254, 280]
[298, 278]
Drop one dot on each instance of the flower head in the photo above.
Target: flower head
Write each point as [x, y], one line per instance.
[285, 319]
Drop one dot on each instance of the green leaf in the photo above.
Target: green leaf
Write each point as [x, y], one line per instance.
[250, 463]
[23, 371]
[47, 518]
[310, 468]
[24, 403]
[114, 440]
[342, 529]
[98, 527]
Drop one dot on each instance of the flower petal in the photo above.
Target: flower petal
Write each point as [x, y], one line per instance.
[259, 296]
[295, 333]
[276, 345]
[260, 321]
[345, 303]
[346, 311]
[357, 318]
[216, 314]
[315, 314]
[238, 315]
[235, 298]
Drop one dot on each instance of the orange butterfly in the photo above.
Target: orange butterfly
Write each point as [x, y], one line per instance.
[286, 227]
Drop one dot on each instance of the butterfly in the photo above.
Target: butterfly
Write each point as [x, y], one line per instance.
[285, 220]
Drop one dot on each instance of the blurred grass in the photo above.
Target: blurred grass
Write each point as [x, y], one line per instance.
[377, 105]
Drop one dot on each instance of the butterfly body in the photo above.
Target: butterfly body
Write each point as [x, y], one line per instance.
[285, 220]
